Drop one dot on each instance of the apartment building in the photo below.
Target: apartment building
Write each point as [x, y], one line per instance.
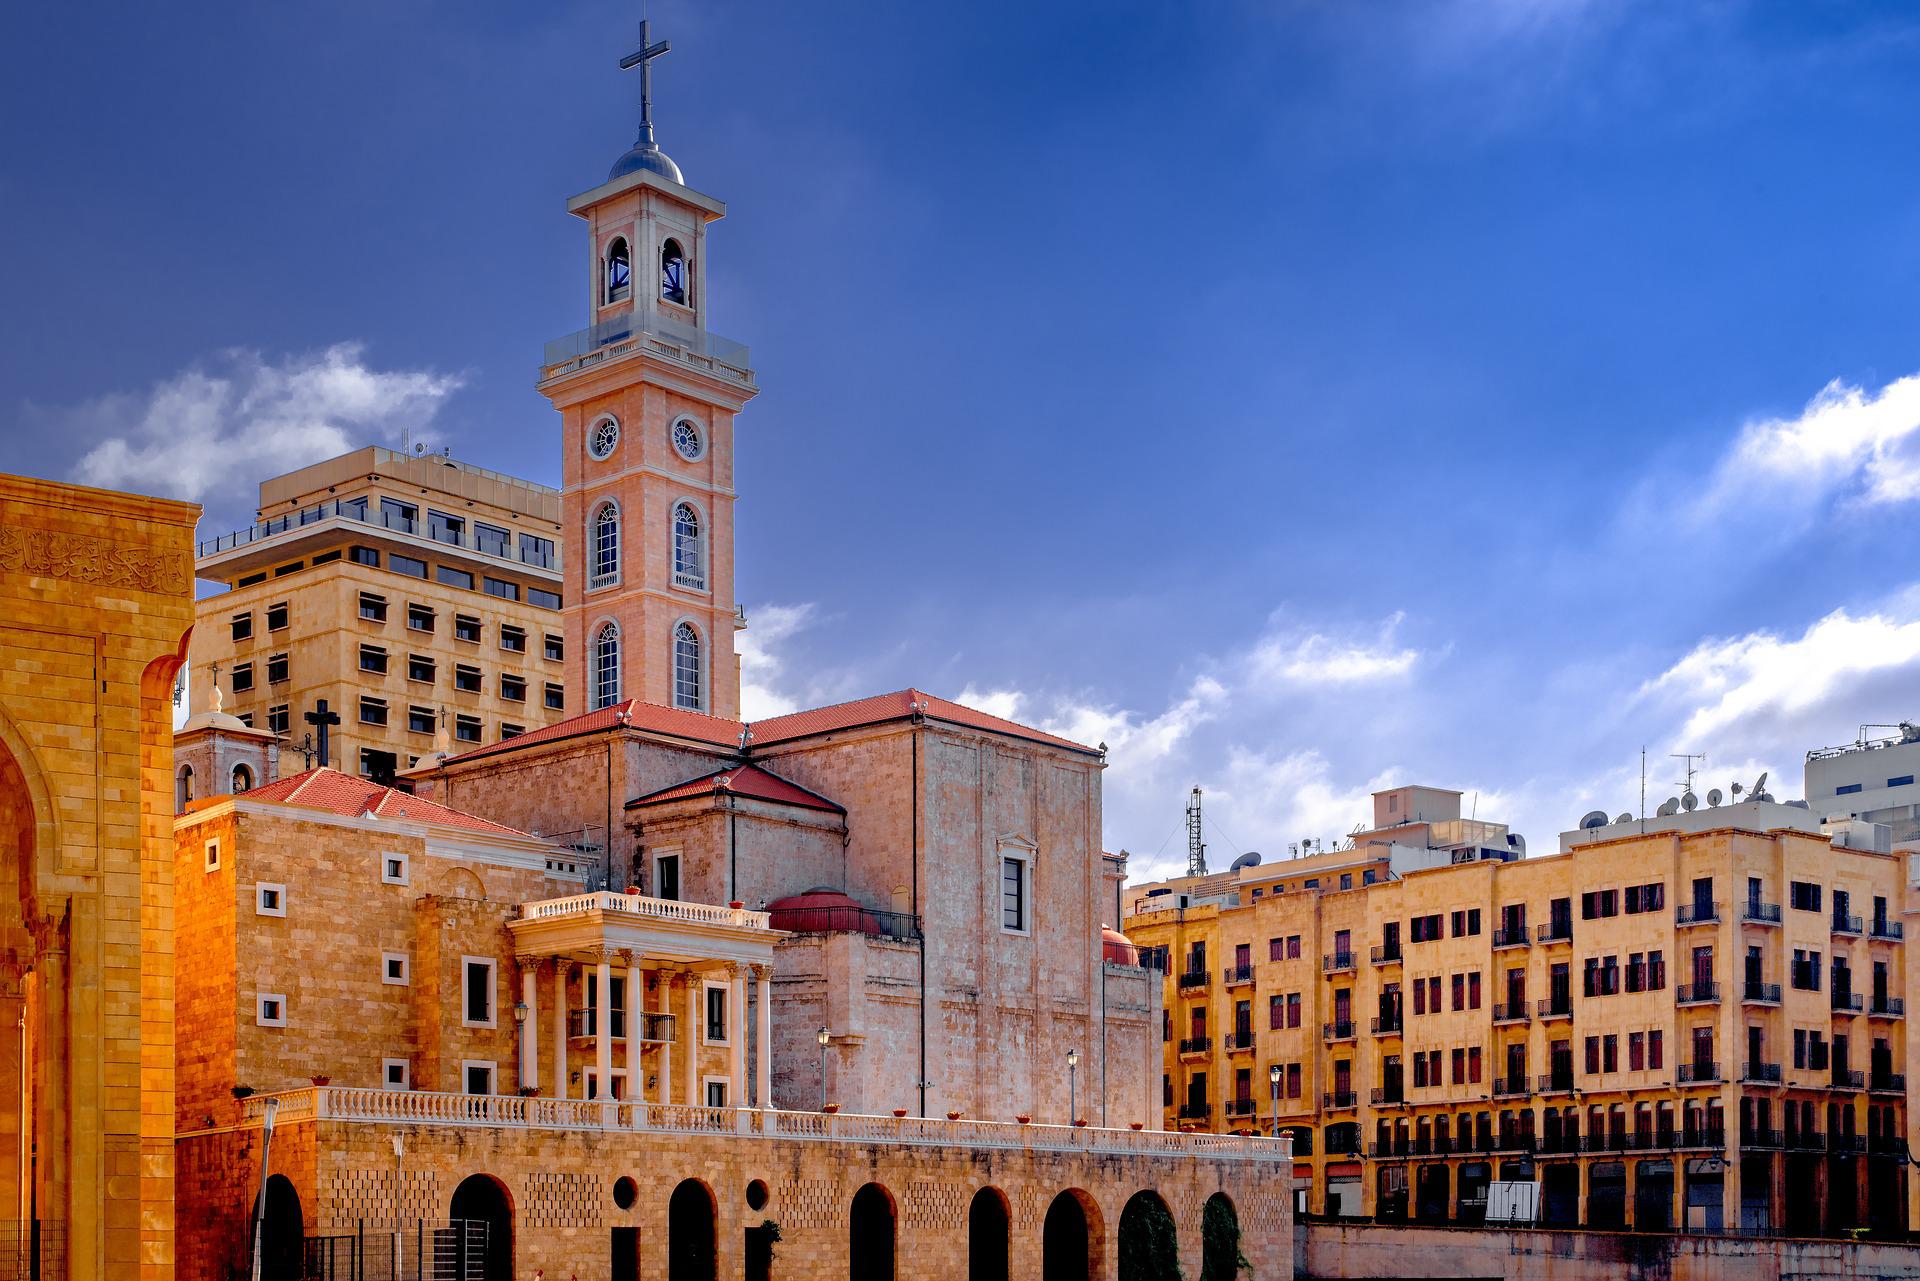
[403, 595]
[1661, 1029]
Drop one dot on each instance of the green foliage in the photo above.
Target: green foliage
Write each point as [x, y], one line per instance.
[1220, 1257]
[1149, 1248]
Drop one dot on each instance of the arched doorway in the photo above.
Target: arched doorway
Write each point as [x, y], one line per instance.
[690, 1238]
[1220, 1255]
[1149, 1246]
[1070, 1238]
[281, 1231]
[870, 1232]
[987, 1222]
[481, 1230]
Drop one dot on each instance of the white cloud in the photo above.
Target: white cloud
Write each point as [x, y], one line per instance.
[1314, 658]
[1004, 703]
[241, 416]
[763, 670]
[1846, 439]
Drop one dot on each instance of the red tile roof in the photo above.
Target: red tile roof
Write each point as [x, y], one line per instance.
[336, 793]
[882, 708]
[717, 731]
[746, 780]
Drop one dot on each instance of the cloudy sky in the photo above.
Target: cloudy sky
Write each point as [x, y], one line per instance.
[1298, 397]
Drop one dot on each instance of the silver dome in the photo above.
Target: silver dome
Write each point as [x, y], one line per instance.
[646, 155]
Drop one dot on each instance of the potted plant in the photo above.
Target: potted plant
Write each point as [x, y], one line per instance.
[322, 1078]
[955, 1116]
[899, 1111]
[1135, 1125]
[243, 1091]
[529, 1091]
[736, 904]
[829, 1108]
[1023, 1118]
[1080, 1121]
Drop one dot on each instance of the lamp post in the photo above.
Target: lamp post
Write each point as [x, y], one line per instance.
[1273, 1079]
[823, 1036]
[269, 1108]
[520, 1040]
[1073, 1086]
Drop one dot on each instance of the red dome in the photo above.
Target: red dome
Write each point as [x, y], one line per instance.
[1117, 947]
[822, 911]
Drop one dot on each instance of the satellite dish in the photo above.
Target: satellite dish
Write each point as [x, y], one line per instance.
[1713, 797]
[1669, 807]
[1594, 818]
[1737, 789]
[1688, 800]
[1758, 788]
[1624, 818]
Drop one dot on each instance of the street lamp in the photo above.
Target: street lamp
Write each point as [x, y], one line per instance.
[1073, 1086]
[1273, 1079]
[823, 1036]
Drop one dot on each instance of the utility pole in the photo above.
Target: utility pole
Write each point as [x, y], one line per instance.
[1196, 848]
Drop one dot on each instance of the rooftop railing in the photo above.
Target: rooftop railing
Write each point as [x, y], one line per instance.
[510, 1111]
[362, 512]
[620, 334]
[659, 909]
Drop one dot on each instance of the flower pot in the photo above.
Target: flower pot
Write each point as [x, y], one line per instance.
[736, 905]
[899, 1111]
[243, 1091]
[1080, 1121]
[830, 1108]
[1024, 1119]
[955, 1116]
[1135, 1125]
[323, 1080]
[634, 890]
[529, 1091]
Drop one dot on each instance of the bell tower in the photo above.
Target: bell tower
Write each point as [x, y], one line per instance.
[647, 395]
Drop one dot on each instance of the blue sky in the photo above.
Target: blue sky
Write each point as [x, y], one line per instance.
[1298, 397]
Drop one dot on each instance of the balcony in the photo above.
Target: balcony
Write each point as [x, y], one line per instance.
[1554, 1082]
[1556, 1007]
[1192, 1111]
[1887, 1083]
[1757, 913]
[1701, 1073]
[1194, 978]
[1887, 1007]
[1515, 937]
[1696, 994]
[1193, 1046]
[1335, 962]
[1697, 914]
[1510, 1012]
[1701, 1137]
[1798, 1141]
[654, 1029]
[1388, 1096]
[1235, 975]
[1847, 1003]
[1555, 932]
[619, 336]
[1338, 1100]
[1386, 954]
[1751, 1137]
[1887, 931]
[1237, 1042]
[1514, 1141]
[1760, 1074]
[1239, 1107]
[1339, 1030]
[1844, 923]
[1845, 1079]
[1757, 993]
[329, 524]
[1842, 1144]
[1509, 1087]
[1387, 1025]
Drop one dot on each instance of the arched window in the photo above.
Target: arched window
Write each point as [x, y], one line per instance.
[242, 779]
[673, 273]
[606, 546]
[619, 271]
[686, 667]
[183, 788]
[606, 666]
[689, 549]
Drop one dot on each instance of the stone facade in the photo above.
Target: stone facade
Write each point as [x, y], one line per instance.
[96, 598]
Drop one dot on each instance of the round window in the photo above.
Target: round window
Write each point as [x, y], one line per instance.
[756, 1195]
[687, 440]
[625, 1192]
[604, 436]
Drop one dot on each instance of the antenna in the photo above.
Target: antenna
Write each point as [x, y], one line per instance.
[1686, 785]
[1196, 848]
[1643, 787]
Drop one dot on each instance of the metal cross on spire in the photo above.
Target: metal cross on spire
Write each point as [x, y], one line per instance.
[643, 58]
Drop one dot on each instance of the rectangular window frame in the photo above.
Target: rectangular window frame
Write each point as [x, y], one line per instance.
[467, 966]
[388, 873]
[469, 1066]
[270, 1009]
[707, 988]
[1023, 889]
[213, 854]
[388, 1078]
[269, 899]
[388, 978]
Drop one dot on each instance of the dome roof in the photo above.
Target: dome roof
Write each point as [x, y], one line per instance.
[1117, 948]
[220, 721]
[822, 910]
[646, 155]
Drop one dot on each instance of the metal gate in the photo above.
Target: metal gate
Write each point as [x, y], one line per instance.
[455, 1250]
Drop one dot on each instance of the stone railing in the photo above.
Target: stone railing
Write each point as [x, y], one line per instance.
[661, 909]
[509, 1111]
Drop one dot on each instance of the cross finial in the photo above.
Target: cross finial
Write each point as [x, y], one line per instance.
[643, 58]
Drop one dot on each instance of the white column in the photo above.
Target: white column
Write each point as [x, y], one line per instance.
[737, 1037]
[636, 1018]
[666, 1046]
[763, 1084]
[560, 967]
[603, 1026]
[695, 1031]
[530, 1029]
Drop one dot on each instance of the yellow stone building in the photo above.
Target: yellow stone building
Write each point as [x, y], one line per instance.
[410, 594]
[95, 603]
[1701, 1027]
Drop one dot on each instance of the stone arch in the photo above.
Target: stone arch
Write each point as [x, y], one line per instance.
[483, 1199]
[1221, 1257]
[282, 1231]
[1072, 1238]
[988, 1221]
[465, 883]
[872, 1229]
[1149, 1243]
[690, 1232]
[26, 804]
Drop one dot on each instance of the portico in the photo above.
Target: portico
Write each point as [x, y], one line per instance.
[636, 985]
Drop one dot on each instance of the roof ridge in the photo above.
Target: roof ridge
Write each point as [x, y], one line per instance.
[828, 707]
